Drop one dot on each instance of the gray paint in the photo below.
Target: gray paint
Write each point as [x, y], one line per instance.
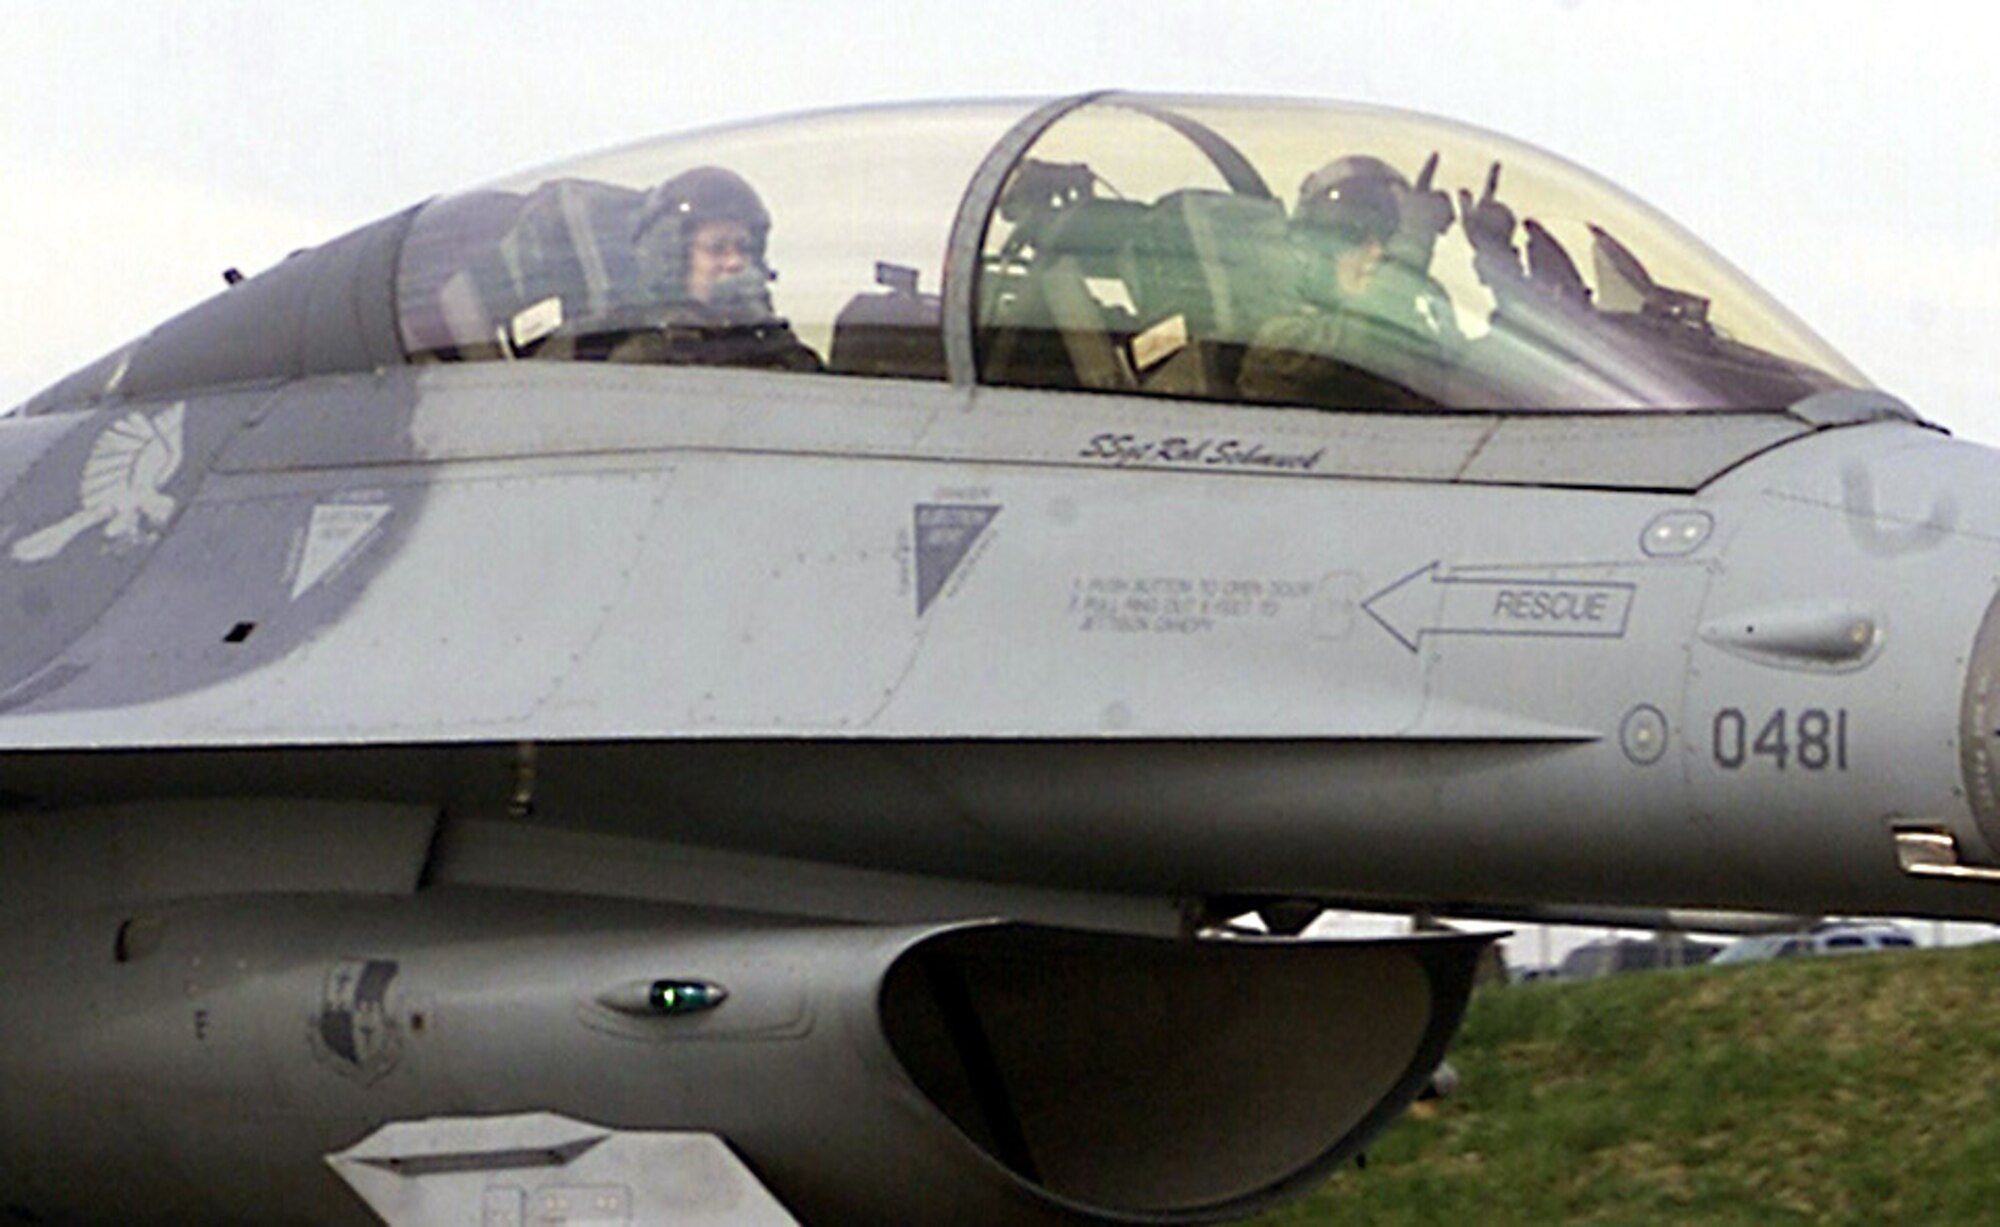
[364, 726]
[433, 1173]
[830, 1067]
[52, 600]
[570, 554]
[220, 598]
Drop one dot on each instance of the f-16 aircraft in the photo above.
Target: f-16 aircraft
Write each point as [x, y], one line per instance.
[526, 714]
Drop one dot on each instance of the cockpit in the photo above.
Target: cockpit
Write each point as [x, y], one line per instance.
[1228, 250]
[1270, 252]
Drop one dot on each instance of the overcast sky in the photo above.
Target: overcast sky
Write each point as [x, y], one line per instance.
[1845, 155]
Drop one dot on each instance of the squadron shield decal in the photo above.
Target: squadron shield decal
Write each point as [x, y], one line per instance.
[353, 1030]
[123, 489]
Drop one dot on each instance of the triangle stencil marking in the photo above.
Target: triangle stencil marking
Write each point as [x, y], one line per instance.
[945, 534]
[334, 533]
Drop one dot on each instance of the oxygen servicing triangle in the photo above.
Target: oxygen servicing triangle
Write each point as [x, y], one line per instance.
[945, 534]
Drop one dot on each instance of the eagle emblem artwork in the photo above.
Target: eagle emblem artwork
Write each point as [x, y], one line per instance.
[123, 488]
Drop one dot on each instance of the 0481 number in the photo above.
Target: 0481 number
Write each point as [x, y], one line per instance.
[1811, 739]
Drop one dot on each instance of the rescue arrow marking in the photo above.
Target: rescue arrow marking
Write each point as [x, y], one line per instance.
[1425, 602]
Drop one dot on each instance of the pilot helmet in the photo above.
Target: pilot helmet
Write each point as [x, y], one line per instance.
[1345, 205]
[674, 211]
[1351, 200]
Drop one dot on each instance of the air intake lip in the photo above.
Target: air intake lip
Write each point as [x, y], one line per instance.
[1149, 1080]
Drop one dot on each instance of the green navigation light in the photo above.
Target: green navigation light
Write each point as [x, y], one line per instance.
[684, 996]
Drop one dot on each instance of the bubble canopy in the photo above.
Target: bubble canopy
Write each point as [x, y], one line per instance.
[1277, 252]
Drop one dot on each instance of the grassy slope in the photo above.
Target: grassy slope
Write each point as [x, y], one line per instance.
[1856, 1090]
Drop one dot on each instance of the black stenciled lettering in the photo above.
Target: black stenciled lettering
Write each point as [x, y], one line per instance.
[1812, 739]
[1772, 741]
[1543, 605]
[1815, 748]
[1730, 734]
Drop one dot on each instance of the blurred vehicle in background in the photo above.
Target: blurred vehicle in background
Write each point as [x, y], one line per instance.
[1834, 937]
[1612, 956]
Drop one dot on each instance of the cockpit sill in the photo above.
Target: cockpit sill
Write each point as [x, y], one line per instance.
[1127, 246]
[476, 412]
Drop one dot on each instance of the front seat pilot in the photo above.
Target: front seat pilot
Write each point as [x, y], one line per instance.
[700, 237]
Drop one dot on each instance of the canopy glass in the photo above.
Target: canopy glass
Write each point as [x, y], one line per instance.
[1277, 252]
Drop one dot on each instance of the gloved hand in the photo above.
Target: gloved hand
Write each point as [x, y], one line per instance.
[1489, 226]
[1426, 211]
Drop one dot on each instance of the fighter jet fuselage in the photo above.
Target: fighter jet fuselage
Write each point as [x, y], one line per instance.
[522, 697]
